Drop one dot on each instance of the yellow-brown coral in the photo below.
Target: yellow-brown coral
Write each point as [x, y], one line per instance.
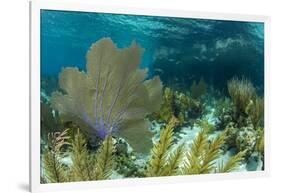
[198, 89]
[112, 97]
[255, 110]
[241, 92]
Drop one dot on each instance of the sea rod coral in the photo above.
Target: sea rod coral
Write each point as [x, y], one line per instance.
[113, 96]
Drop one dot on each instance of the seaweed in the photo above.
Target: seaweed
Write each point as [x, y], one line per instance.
[113, 96]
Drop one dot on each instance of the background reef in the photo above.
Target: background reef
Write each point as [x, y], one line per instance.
[137, 96]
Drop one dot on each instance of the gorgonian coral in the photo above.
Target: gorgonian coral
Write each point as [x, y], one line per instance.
[241, 92]
[113, 96]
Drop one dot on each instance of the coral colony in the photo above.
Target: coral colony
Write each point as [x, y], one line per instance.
[113, 97]
[181, 98]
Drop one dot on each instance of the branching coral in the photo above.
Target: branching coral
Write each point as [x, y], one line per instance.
[232, 164]
[112, 97]
[83, 166]
[201, 159]
[255, 110]
[82, 162]
[246, 116]
[241, 92]
[202, 156]
[175, 104]
[198, 89]
[259, 147]
[167, 109]
[203, 123]
[104, 160]
[161, 162]
[54, 170]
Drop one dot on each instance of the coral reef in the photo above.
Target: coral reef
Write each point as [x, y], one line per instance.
[179, 105]
[255, 110]
[246, 139]
[104, 160]
[113, 97]
[200, 159]
[126, 160]
[50, 121]
[196, 108]
[259, 147]
[82, 162]
[82, 165]
[243, 118]
[208, 127]
[171, 97]
[232, 163]
[175, 104]
[197, 90]
[166, 160]
[241, 92]
[54, 169]
[162, 161]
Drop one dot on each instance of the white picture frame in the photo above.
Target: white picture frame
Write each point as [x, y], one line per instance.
[36, 6]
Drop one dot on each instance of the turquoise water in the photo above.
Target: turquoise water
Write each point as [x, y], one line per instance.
[179, 50]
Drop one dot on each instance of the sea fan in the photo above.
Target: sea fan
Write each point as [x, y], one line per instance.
[112, 97]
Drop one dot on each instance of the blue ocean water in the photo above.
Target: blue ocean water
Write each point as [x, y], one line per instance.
[180, 50]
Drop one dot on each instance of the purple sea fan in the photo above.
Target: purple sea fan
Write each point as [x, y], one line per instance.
[112, 97]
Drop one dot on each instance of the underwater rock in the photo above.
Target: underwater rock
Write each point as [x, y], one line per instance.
[231, 135]
[196, 108]
[255, 163]
[126, 163]
[112, 97]
[121, 146]
[246, 140]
